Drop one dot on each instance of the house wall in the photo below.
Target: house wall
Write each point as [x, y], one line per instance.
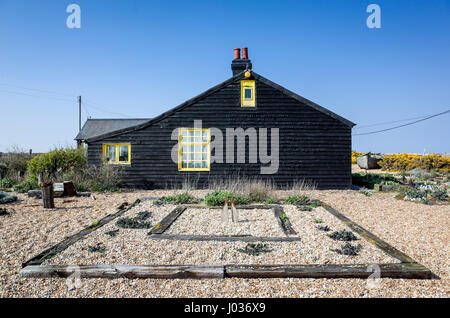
[313, 145]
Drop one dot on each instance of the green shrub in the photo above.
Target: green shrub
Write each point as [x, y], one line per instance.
[440, 194]
[133, 223]
[6, 183]
[343, 235]
[217, 198]
[183, 198]
[318, 220]
[368, 180]
[348, 249]
[7, 198]
[272, 201]
[298, 200]
[58, 161]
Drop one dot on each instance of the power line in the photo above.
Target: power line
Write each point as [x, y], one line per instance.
[408, 124]
[38, 90]
[389, 122]
[32, 95]
[97, 106]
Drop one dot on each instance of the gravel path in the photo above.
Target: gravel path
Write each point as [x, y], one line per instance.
[420, 231]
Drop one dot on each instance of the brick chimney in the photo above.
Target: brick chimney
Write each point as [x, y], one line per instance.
[239, 64]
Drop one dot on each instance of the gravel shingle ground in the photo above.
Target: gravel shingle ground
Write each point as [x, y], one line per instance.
[420, 231]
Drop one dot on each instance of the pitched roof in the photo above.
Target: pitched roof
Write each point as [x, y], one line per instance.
[97, 127]
[213, 90]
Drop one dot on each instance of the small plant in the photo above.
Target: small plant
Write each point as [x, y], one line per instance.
[7, 198]
[440, 194]
[183, 198]
[271, 201]
[257, 195]
[315, 203]
[324, 228]
[217, 198]
[6, 183]
[143, 215]
[298, 200]
[99, 248]
[305, 208]
[132, 223]
[283, 217]
[94, 224]
[255, 249]
[318, 220]
[366, 192]
[112, 233]
[348, 249]
[343, 235]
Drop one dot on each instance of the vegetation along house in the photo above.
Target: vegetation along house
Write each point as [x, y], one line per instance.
[246, 126]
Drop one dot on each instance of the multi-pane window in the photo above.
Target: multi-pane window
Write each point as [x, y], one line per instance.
[248, 93]
[194, 149]
[117, 153]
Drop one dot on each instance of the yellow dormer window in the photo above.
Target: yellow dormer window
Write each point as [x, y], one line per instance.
[248, 93]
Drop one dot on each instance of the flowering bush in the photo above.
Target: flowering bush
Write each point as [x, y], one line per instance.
[356, 155]
[405, 162]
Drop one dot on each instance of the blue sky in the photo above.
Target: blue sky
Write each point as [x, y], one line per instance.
[141, 58]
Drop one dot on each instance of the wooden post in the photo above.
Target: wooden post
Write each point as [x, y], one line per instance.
[225, 211]
[47, 195]
[234, 212]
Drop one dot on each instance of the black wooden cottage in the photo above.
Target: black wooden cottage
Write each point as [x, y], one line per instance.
[313, 143]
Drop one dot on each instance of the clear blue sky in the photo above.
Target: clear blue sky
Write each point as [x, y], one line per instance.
[141, 58]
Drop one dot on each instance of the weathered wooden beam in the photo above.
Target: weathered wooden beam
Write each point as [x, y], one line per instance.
[284, 223]
[52, 251]
[372, 238]
[400, 270]
[124, 271]
[223, 238]
[242, 207]
[165, 223]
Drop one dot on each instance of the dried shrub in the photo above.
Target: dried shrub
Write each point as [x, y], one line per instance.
[99, 248]
[255, 249]
[324, 228]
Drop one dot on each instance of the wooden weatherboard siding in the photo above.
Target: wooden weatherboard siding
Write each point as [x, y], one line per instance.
[314, 145]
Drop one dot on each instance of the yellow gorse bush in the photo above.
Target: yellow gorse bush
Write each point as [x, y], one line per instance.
[406, 161]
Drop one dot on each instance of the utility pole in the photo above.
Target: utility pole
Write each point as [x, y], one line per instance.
[79, 113]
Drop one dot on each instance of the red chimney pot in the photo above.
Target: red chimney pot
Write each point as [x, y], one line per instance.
[245, 53]
[237, 53]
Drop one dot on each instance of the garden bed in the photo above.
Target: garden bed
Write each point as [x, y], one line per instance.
[113, 244]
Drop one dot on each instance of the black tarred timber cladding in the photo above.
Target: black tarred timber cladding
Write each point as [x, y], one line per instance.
[313, 144]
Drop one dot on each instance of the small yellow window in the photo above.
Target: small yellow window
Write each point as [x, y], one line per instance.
[194, 151]
[117, 154]
[248, 92]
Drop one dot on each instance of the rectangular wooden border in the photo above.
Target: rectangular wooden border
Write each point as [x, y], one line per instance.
[167, 221]
[408, 268]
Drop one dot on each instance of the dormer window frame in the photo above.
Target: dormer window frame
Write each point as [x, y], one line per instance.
[245, 86]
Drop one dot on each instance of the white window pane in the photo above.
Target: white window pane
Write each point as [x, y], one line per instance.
[111, 153]
[204, 164]
[123, 153]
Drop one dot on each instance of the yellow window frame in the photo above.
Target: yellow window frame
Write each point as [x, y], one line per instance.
[182, 143]
[117, 162]
[248, 102]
